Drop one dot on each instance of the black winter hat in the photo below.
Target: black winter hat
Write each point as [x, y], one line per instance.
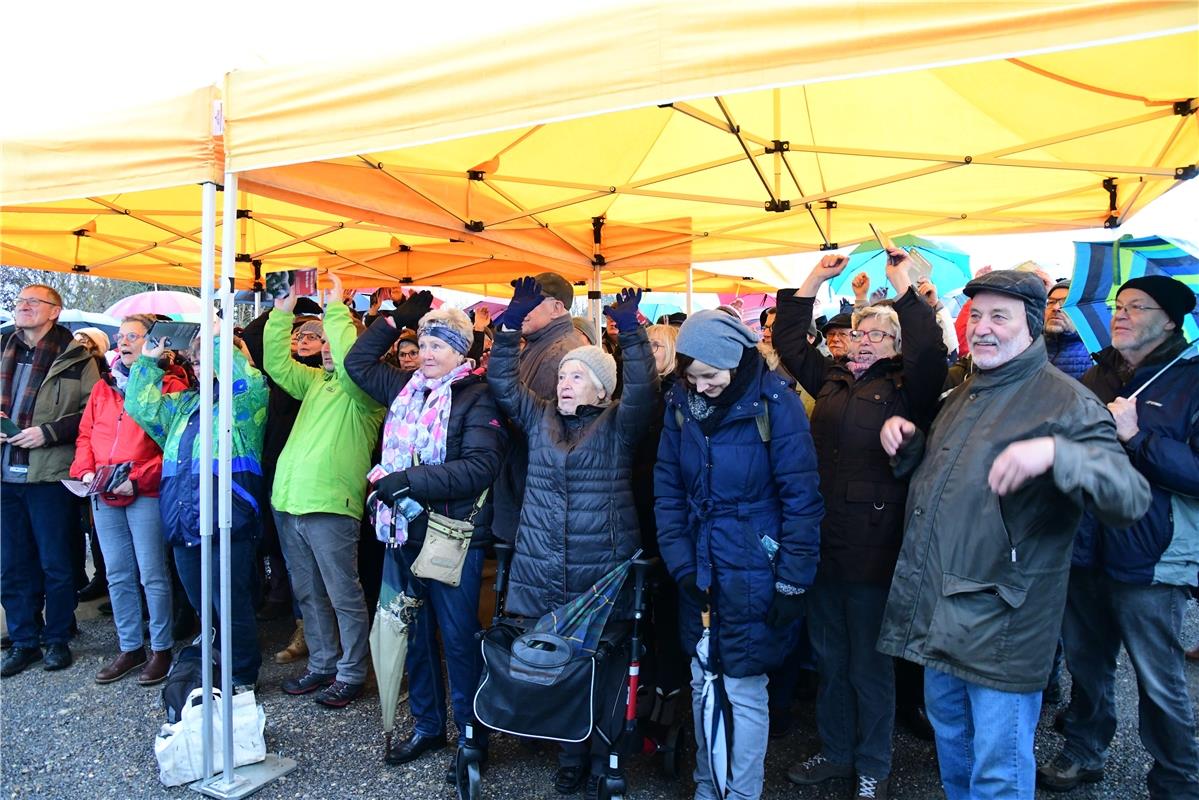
[1174, 296]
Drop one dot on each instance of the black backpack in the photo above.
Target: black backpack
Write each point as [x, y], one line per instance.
[187, 673]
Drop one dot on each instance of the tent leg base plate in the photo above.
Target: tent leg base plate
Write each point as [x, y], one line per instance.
[247, 779]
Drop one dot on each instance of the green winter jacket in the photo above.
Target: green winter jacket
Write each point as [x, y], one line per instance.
[58, 408]
[980, 585]
[323, 467]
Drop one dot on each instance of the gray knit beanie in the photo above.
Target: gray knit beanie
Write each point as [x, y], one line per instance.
[602, 366]
[715, 338]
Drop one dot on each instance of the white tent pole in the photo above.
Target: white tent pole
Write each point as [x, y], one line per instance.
[690, 287]
[204, 374]
[596, 304]
[225, 480]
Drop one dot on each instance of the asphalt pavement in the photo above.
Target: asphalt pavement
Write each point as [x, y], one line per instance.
[65, 737]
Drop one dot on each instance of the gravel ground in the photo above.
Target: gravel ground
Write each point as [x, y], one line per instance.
[65, 737]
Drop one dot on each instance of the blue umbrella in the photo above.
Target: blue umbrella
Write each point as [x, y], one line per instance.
[951, 267]
[1101, 267]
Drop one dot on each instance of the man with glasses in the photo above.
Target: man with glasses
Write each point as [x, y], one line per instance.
[46, 378]
[1012, 459]
[1129, 585]
[1064, 346]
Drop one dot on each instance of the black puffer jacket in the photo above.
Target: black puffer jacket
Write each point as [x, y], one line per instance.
[862, 528]
[578, 519]
[475, 441]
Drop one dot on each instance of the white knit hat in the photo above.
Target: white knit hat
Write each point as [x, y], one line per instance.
[98, 337]
[601, 365]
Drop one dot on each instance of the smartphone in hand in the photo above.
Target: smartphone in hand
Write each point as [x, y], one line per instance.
[8, 427]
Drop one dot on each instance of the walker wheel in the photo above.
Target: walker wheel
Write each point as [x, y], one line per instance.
[469, 782]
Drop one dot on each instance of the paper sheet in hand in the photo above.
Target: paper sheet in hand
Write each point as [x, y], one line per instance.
[107, 478]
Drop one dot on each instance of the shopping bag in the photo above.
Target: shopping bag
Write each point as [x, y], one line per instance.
[179, 746]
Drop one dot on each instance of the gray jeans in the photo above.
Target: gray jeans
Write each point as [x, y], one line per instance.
[322, 556]
[751, 728]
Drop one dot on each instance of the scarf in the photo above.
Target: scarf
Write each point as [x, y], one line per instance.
[415, 432]
[709, 412]
[120, 376]
[45, 352]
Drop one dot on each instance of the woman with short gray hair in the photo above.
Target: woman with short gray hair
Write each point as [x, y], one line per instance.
[862, 528]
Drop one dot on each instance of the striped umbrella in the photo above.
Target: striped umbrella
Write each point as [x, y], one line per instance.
[581, 621]
[1101, 267]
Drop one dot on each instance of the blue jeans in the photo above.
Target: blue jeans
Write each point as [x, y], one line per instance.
[37, 521]
[455, 612]
[242, 627]
[984, 738]
[855, 703]
[1100, 615]
[133, 547]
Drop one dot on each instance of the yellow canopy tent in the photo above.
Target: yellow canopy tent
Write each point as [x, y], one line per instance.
[504, 146]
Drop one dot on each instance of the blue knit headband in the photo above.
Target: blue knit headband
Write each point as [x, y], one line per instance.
[446, 334]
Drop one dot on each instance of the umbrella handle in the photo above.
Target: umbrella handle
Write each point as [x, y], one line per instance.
[386, 743]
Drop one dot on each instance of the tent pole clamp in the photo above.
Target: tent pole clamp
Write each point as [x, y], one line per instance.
[777, 206]
[779, 146]
[829, 246]
[1186, 173]
[475, 175]
[1112, 221]
[475, 226]
[1184, 108]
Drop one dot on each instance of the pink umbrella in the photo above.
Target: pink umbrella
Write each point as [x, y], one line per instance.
[176, 305]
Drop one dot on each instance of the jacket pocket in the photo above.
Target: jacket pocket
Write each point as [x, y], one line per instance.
[970, 623]
[869, 409]
[882, 502]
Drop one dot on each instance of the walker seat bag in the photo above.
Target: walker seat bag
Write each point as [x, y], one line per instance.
[533, 686]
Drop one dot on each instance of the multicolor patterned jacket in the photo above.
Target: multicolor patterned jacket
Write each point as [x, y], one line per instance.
[172, 420]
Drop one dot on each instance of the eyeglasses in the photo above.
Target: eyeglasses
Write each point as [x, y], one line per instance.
[656, 346]
[874, 336]
[1058, 303]
[838, 333]
[307, 337]
[1131, 309]
[130, 337]
[29, 302]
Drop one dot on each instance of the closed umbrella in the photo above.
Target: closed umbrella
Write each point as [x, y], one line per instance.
[389, 638]
[581, 621]
[717, 714]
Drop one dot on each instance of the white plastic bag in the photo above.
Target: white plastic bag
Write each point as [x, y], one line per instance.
[179, 747]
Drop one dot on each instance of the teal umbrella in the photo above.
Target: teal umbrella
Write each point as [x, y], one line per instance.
[951, 267]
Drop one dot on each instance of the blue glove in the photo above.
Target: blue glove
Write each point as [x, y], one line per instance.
[624, 311]
[526, 298]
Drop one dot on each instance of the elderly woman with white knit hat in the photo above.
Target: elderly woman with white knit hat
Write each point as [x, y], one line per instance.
[578, 520]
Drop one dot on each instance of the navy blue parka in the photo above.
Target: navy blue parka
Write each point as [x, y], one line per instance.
[717, 496]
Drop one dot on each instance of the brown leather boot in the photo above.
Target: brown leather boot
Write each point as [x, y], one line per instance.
[1193, 653]
[122, 665]
[156, 668]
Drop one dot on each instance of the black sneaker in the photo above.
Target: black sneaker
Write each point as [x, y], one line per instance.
[570, 779]
[19, 659]
[339, 694]
[307, 683]
[818, 769]
[58, 656]
[591, 792]
[1063, 773]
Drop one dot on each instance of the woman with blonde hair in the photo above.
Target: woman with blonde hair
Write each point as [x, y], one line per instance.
[442, 447]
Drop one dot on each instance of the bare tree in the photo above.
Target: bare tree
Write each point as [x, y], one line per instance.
[83, 292]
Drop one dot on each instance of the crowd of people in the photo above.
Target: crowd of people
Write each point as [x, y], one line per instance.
[936, 515]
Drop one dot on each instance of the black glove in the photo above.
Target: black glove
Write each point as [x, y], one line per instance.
[624, 311]
[391, 487]
[526, 297]
[785, 609]
[687, 588]
[408, 313]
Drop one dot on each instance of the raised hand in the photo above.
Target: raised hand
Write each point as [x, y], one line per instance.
[1019, 463]
[409, 312]
[827, 268]
[926, 289]
[861, 288]
[287, 302]
[526, 297]
[624, 311]
[482, 319]
[898, 264]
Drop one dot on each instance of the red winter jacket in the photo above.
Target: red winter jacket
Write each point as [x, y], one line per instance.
[107, 435]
